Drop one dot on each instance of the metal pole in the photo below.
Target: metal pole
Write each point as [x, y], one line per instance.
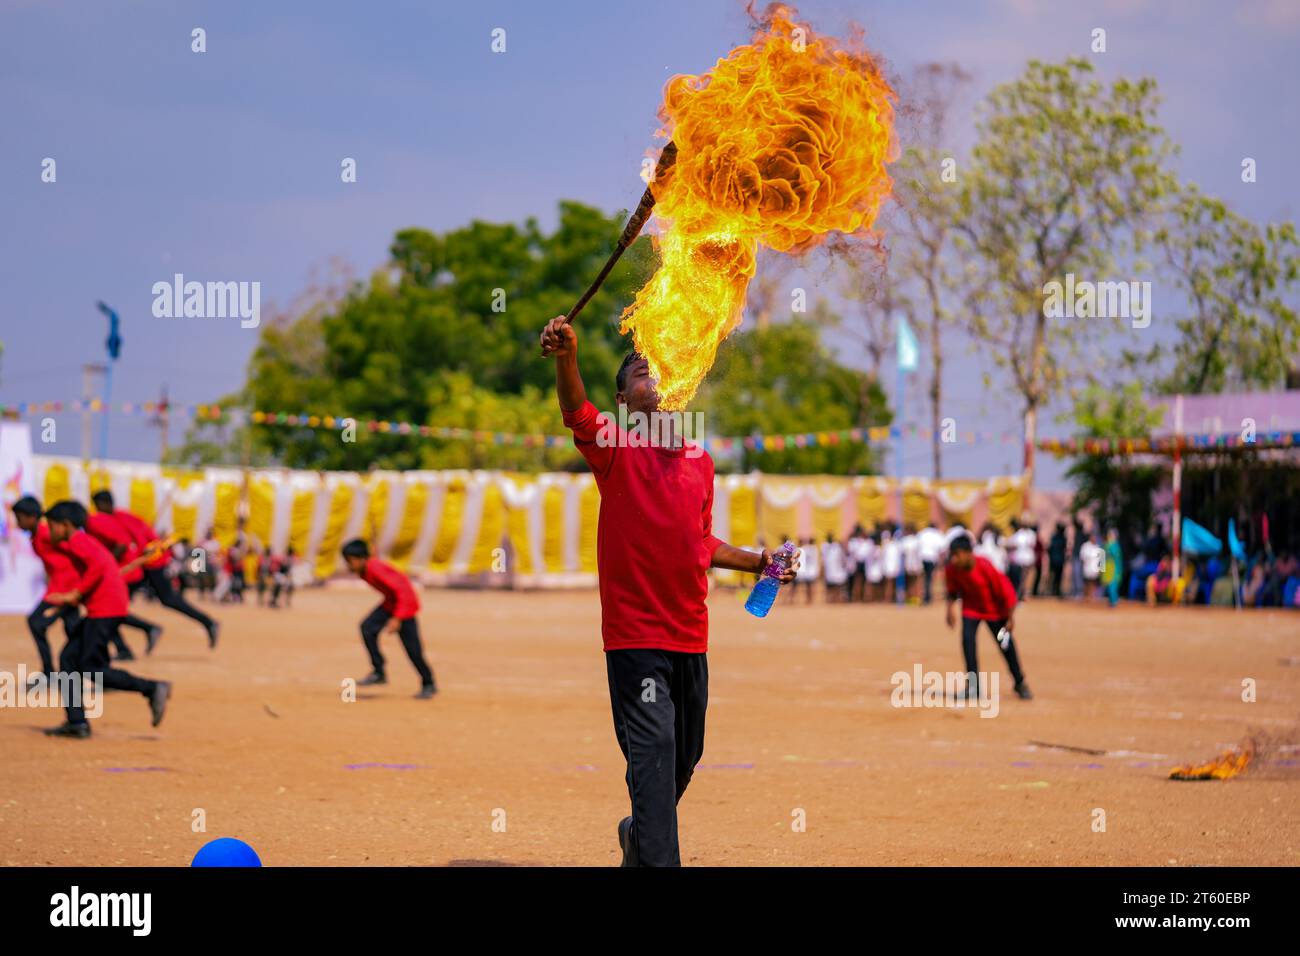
[108, 399]
[900, 594]
[87, 373]
[1176, 532]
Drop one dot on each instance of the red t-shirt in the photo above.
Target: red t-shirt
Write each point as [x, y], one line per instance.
[60, 575]
[985, 592]
[400, 599]
[142, 535]
[108, 531]
[102, 587]
[654, 540]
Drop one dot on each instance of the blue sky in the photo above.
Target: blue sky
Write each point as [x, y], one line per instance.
[225, 165]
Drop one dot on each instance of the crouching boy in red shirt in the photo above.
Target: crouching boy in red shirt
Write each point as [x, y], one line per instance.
[654, 544]
[987, 595]
[396, 613]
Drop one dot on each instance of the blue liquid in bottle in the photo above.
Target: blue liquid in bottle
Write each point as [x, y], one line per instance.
[763, 596]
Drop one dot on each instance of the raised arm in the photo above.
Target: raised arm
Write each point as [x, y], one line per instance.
[559, 339]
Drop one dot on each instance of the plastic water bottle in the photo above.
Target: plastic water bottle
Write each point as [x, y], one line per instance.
[769, 583]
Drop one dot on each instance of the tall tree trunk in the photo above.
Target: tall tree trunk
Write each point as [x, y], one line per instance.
[936, 396]
[1031, 437]
[1033, 397]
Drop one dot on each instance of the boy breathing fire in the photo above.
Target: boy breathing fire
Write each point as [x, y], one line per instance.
[654, 546]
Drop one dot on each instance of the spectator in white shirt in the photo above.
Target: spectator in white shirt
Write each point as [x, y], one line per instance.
[911, 563]
[1093, 557]
[808, 571]
[1021, 543]
[931, 544]
[836, 569]
[859, 550]
[990, 549]
[875, 567]
[891, 563]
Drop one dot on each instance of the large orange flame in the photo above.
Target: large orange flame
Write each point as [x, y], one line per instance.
[782, 142]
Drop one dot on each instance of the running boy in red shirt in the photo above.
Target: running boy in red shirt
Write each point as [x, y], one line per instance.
[102, 589]
[123, 548]
[141, 535]
[396, 613]
[60, 576]
[987, 595]
[654, 546]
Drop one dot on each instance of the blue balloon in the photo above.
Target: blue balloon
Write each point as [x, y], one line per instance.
[226, 851]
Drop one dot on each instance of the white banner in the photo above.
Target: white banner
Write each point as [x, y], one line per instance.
[22, 576]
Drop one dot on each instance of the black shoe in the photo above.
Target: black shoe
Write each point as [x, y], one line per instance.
[371, 679]
[427, 691]
[124, 655]
[213, 628]
[151, 638]
[1022, 691]
[80, 731]
[625, 842]
[158, 700]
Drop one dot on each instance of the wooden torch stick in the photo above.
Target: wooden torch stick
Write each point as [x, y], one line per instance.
[630, 231]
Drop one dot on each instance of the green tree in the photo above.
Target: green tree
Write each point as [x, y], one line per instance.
[1067, 177]
[926, 195]
[453, 309]
[457, 401]
[1116, 490]
[781, 380]
[1240, 331]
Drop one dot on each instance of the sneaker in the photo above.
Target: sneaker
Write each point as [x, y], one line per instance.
[625, 842]
[371, 679]
[427, 691]
[1022, 691]
[80, 731]
[213, 630]
[151, 638]
[158, 700]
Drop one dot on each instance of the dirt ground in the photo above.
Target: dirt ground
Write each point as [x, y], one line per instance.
[801, 728]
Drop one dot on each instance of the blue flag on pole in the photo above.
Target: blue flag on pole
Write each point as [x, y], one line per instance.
[1198, 539]
[1234, 543]
[909, 352]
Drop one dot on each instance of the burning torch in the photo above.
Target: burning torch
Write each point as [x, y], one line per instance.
[633, 228]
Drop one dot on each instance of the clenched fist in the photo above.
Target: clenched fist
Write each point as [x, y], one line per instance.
[559, 338]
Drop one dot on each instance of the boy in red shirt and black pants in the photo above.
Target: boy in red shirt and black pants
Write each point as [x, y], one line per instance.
[119, 544]
[102, 589]
[60, 576]
[986, 595]
[654, 546]
[396, 613]
[141, 535]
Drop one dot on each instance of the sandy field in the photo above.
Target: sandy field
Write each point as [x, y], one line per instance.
[806, 763]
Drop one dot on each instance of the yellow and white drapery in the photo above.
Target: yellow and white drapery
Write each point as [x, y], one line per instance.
[467, 526]
[442, 526]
